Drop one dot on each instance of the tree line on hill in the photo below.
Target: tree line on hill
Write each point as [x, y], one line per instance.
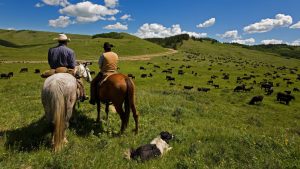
[176, 41]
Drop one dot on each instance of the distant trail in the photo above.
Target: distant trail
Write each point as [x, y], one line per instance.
[131, 58]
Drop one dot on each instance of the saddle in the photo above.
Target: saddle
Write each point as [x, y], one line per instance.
[80, 86]
[51, 72]
[105, 77]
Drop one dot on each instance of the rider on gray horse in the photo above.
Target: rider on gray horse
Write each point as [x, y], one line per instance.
[62, 60]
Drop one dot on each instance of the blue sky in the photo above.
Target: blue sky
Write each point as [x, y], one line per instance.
[241, 21]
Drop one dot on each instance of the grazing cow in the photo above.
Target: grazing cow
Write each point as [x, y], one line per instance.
[4, 76]
[144, 75]
[150, 75]
[142, 68]
[296, 89]
[170, 78]
[256, 99]
[156, 66]
[210, 82]
[266, 85]
[216, 86]
[203, 89]
[131, 76]
[188, 87]
[23, 70]
[172, 84]
[180, 72]
[239, 88]
[37, 71]
[282, 97]
[11, 74]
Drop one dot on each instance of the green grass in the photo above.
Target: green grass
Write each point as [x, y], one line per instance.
[217, 129]
[34, 45]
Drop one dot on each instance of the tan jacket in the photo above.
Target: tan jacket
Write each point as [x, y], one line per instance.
[108, 62]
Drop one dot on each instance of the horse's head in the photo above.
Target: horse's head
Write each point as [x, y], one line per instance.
[82, 71]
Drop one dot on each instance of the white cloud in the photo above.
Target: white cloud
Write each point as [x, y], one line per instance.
[271, 41]
[207, 23]
[268, 24]
[56, 2]
[230, 35]
[126, 17]
[11, 29]
[117, 26]
[295, 26]
[249, 41]
[39, 5]
[155, 30]
[295, 43]
[111, 3]
[61, 22]
[88, 12]
[112, 18]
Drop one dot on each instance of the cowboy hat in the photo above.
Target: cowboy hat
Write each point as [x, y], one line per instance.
[62, 37]
[107, 45]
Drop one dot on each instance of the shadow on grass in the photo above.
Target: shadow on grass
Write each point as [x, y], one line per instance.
[28, 138]
[84, 125]
[37, 134]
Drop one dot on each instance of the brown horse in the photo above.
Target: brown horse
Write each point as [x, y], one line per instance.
[118, 89]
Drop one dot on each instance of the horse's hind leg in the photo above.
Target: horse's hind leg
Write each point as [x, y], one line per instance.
[136, 117]
[124, 118]
[98, 111]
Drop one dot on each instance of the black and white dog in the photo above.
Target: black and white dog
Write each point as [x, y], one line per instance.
[156, 148]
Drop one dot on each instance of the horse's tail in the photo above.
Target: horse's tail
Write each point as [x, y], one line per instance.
[58, 106]
[129, 99]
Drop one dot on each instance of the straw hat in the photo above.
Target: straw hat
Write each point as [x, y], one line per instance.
[62, 37]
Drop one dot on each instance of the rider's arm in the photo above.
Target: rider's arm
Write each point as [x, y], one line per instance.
[72, 60]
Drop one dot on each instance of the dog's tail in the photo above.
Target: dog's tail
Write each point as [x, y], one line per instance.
[128, 154]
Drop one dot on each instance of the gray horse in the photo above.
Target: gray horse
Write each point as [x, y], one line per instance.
[59, 95]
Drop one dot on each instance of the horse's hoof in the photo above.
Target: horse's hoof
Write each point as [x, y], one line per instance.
[65, 141]
[98, 120]
[136, 131]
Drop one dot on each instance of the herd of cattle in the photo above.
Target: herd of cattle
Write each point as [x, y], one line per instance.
[245, 83]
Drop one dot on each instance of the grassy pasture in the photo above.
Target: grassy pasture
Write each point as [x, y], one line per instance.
[33, 45]
[217, 129]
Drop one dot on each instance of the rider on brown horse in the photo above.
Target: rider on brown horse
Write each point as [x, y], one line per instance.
[108, 65]
[62, 60]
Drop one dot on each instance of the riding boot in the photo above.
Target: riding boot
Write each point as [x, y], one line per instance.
[82, 95]
[94, 88]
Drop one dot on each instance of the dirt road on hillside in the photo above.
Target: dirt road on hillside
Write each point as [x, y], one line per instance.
[131, 58]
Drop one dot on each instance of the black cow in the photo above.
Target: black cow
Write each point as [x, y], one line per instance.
[203, 89]
[37, 71]
[131, 76]
[144, 75]
[256, 99]
[239, 88]
[188, 87]
[296, 89]
[282, 97]
[23, 70]
[142, 68]
[11, 74]
[4, 76]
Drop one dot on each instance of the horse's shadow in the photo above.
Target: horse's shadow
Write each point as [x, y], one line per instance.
[38, 134]
[84, 125]
[28, 138]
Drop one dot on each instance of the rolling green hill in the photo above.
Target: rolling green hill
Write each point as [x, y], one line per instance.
[213, 129]
[34, 45]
